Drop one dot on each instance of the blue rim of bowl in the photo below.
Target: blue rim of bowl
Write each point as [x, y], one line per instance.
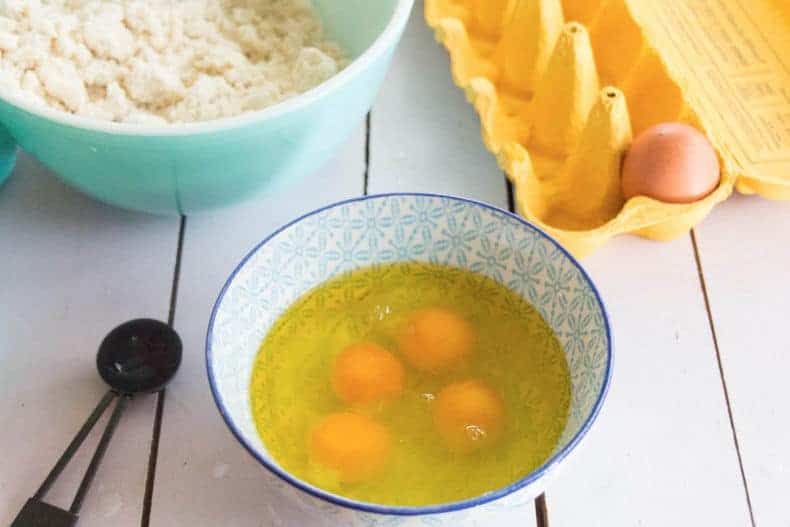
[335, 499]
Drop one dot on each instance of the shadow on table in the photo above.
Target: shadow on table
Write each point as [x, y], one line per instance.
[33, 193]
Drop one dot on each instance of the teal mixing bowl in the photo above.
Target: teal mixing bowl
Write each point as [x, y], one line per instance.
[185, 168]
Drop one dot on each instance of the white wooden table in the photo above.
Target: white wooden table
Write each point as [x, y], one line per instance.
[696, 429]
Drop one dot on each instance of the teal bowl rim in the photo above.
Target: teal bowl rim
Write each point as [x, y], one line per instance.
[388, 37]
[335, 499]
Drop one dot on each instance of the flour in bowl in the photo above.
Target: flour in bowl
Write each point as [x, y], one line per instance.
[162, 61]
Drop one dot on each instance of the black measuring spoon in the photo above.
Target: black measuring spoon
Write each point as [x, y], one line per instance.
[139, 356]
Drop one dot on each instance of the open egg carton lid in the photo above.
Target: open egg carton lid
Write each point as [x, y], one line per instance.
[562, 86]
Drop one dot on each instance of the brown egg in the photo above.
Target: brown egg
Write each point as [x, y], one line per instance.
[670, 162]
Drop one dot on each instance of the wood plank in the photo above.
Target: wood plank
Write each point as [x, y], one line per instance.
[204, 476]
[661, 452]
[744, 250]
[425, 137]
[72, 270]
[210, 479]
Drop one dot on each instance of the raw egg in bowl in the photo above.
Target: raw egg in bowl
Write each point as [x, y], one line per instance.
[409, 355]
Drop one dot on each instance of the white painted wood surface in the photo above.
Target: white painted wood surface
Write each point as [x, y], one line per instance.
[204, 476]
[661, 454]
[424, 136]
[71, 270]
[745, 252]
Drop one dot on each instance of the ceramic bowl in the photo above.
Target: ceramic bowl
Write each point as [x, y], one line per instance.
[185, 168]
[407, 227]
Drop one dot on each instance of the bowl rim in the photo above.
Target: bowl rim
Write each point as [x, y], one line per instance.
[549, 465]
[379, 46]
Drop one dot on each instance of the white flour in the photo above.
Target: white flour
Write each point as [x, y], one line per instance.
[162, 61]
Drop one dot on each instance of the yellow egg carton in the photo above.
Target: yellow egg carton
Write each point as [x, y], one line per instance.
[561, 87]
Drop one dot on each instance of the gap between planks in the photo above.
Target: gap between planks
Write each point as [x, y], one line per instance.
[712, 326]
[145, 518]
[541, 507]
[366, 175]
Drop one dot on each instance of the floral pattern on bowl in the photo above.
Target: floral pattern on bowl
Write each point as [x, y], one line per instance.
[397, 227]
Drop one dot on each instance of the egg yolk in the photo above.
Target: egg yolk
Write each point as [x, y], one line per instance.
[355, 446]
[367, 373]
[468, 415]
[436, 339]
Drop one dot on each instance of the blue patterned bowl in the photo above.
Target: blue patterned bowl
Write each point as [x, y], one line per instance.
[398, 227]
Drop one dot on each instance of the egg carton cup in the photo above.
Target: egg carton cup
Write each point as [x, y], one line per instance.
[561, 88]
